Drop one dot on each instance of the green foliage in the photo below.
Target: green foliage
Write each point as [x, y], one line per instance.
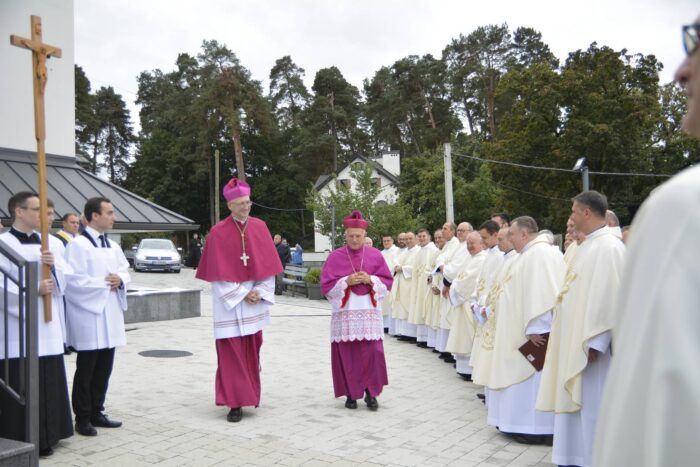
[495, 93]
[342, 200]
[313, 276]
[103, 131]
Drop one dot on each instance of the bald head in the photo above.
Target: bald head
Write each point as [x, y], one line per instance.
[611, 219]
[464, 229]
[474, 243]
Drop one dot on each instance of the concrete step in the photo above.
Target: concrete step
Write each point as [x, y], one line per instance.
[15, 453]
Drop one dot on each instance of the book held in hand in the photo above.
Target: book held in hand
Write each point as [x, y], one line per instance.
[533, 354]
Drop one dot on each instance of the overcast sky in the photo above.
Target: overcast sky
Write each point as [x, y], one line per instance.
[116, 40]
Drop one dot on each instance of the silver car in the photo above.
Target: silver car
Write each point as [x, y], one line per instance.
[157, 254]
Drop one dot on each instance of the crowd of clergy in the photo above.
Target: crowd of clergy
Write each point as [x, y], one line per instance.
[514, 312]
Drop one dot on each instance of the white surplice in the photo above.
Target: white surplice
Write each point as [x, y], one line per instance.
[233, 316]
[94, 312]
[650, 413]
[50, 334]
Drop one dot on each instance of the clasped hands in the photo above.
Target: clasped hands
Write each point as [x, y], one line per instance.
[253, 298]
[359, 278]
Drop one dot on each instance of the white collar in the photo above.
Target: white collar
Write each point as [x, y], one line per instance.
[93, 233]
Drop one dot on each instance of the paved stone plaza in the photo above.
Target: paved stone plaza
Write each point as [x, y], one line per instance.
[427, 415]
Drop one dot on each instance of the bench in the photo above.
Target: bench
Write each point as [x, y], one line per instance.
[294, 277]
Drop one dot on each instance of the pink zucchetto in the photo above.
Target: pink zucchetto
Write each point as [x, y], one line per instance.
[235, 189]
[355, 221]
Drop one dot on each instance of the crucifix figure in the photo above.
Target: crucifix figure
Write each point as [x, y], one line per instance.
[245, 259]
[40, 52]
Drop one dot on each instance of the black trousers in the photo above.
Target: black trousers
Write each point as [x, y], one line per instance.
[92, 371]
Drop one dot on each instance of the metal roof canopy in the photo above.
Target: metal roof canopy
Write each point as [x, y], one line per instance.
[69, 186]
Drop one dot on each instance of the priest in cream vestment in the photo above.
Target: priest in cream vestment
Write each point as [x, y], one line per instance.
[650, 413]
[401, 290]
[398, 257]
[500, 295]
[431, 302]
[537, 278]
[389, 253]
[419, 288]
[462, 326]
[578, 351]
[489, 232]
[449, 263]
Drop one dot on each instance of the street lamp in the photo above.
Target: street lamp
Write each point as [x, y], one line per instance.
[583, 168]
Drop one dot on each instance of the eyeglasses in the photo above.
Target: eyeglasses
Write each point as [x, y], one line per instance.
[690, 38]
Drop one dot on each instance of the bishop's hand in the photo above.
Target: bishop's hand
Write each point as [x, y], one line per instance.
[253, 298]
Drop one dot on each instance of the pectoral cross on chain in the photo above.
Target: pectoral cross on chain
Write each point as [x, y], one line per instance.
[245, 259]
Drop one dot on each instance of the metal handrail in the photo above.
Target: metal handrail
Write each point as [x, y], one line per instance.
[27, 393]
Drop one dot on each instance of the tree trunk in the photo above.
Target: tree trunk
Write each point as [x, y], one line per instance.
[429, 108]
[238, 149]
[212, 215]
[469, 116]
[490, 105]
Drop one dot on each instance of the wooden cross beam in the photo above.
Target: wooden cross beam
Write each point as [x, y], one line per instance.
[40, 53]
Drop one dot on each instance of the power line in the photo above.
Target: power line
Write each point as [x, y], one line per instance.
[280, 209]
[559, 169]
[508, 187]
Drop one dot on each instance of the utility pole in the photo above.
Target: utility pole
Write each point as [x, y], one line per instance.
[449, 203]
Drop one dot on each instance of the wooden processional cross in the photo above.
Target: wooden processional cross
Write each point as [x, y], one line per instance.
[40, 52]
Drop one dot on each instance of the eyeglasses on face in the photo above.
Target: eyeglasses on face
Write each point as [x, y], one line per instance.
[690, 38]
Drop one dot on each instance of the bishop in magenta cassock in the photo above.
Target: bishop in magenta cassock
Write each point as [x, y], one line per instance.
[240, 262]
[355, 279]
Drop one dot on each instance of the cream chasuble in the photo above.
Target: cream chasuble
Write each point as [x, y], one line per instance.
[500, 296]
[570, 253]
[432, 302]
[584, 311]
[402, 299]
[493, 262]
[390, 258]
[537, 278]
[419, 287]
[398, 278]
[583, 319]
[650, 413]
[460, 315]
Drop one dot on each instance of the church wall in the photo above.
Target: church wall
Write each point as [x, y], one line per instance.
[16, 88]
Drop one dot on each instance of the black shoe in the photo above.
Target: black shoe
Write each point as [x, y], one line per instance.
[436, 351]
[386, 330]
[235, 415]
[102, 421]
[85, 429]
[481, 395]
[530, 439]
[46, 452]
[350, 403]
[371, 402]
[450, 359]
[465, 377]
[66, 351]
[422, 345]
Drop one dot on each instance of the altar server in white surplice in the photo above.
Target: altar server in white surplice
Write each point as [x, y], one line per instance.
[537, 278]
[578, 351]
[650, 414]
[95, 305]
[53, 405]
